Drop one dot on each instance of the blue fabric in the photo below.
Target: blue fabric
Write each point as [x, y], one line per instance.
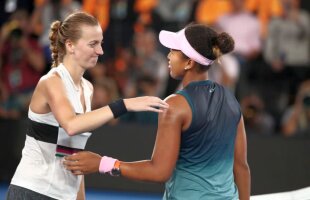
[204, 169]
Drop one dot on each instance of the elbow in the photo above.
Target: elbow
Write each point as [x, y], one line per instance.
[241, 167]
[70, 129]
[162, 177]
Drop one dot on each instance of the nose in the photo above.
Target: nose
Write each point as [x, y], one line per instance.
[99, 50]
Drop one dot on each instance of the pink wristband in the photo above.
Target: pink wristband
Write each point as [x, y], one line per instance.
[106, 164]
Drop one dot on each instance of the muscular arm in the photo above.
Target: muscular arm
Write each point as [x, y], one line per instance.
[50, 96]
[241, 168]
[165, 153]
[166, 149]
[52, 92]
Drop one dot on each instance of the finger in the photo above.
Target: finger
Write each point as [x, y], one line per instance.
[71, 163]
[152, 109]
[73, 157]
[75, 168]
[161, 103]
[77, 172]
[163, 106]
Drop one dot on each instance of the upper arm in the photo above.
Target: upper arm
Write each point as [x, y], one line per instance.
[57, 100]
[240, 154]
[170, 125]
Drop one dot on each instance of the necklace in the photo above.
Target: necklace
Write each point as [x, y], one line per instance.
[77, 88]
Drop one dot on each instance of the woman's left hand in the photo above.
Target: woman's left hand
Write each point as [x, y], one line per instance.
[145, 103]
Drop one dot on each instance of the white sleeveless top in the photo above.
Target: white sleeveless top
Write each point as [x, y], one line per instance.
[41, 169]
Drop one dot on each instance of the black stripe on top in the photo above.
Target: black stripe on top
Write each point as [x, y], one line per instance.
[43, 132]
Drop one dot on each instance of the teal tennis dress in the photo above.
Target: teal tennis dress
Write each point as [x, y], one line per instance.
[204, 169]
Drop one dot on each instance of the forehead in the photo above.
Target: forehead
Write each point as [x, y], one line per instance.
[91, 33]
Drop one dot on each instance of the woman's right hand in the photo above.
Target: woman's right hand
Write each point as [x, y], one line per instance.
[145, 103]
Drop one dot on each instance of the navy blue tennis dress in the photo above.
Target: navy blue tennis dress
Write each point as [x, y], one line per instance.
[204, 169]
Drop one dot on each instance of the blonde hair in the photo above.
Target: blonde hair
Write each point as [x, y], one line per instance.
[69, 29]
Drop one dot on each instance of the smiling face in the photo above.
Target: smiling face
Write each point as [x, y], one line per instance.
[177, 63]
[86, 50]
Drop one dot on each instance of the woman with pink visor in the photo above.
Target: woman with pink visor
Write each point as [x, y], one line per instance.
[200, 150]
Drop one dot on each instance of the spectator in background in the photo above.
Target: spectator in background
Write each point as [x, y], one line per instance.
[144, 10]
[182, 10]
[265, 10]
[120, 30]
[247, 41]
[287, 46]
[47, 11]
[286, 52]
[226, 71]
[145, 85]
[147, 61]
[22, 64]
[256, 119]
[99, 9]
[296, 119]
[105, 92]
[209, 11]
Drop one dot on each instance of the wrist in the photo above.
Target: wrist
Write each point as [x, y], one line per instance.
[116, 170]
[118, 108]
[110, 165]
[106, 164]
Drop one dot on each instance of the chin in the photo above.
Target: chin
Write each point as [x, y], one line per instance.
[91, 65]
[175, 77]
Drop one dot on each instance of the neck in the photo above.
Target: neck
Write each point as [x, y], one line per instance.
[191, 76]
[76, 72]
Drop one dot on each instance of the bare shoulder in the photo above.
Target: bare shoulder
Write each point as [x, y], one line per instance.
[50, 81]
[48, 86]
[175, 100]
[51, 84]
[178, 105]
[178, 115]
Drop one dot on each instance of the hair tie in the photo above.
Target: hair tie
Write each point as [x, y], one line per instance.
[217, 51]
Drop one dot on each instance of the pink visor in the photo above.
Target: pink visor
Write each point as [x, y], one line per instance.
[178, 41]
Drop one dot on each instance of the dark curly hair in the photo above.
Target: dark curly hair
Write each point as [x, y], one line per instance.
[208, 42]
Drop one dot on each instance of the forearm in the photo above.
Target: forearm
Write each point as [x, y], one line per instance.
[243, 181]
[143, 171]
[88, 121]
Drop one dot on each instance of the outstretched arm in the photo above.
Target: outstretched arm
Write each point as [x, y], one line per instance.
[50, 96]
[166, 150]
[241, 167]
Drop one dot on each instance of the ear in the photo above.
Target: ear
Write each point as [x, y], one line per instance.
[69, 47]
[190, 64]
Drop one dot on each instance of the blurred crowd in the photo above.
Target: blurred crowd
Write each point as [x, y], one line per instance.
[269, 70]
